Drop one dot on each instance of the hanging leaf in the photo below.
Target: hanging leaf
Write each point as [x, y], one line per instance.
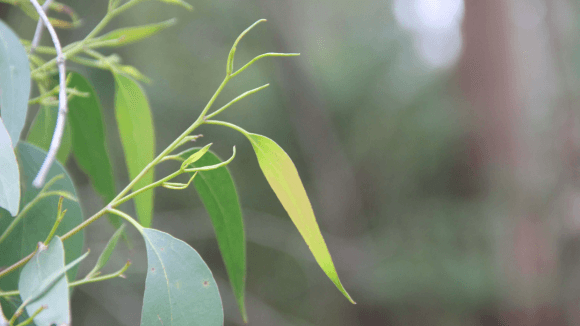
[14, 82]
[43, 283]
[219, 196]
[138, 139]
[89, 142]
[107, 252]
[129, 35]
[9, 175]
[39, 219]
[180, 289]
[42, 130]
[283, 177]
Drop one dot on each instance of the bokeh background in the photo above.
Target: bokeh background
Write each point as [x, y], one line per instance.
[438, 140]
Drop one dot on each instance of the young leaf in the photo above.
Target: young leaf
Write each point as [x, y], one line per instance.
[138, 138]
[9, 175]
[197, 154]
[283, 177]
[14, 82]
[43, 283]
[42, 129]
[107, 252]
[180, 289]
[219, 196]
[180, 3]
[134, 34]
[88, 140]
[35, 225]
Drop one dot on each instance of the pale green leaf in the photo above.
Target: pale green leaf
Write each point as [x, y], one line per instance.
[9, 174]
[129, 35]
[283, 177]
[197, 154]
[14, 82]
[180, 289]
[107, 252]
[138, 139]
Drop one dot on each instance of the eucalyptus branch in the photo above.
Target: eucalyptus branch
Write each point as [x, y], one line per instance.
[270, 54]
[31, 318]
[39, 28]
[250, 92]
[59, 129]
[147, 187]
[59, 216]
[119, 273]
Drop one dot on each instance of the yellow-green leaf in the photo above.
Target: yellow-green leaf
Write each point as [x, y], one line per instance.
[133, 34]
[283, 177]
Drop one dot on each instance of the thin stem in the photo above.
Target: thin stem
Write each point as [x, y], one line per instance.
[59, 129]
[229, 125]
[126, 217]
[31, 318]
[39, 28]
[84, 224]
[59, 217]
[270, 54]
[18, 264]
[101, 278]
[147, 187]
[250, 92]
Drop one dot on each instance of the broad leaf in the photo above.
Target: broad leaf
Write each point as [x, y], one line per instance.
[42, 130]
[89, 142]
[180, 289]
[134, 34]
[38, 221]
[219, 196]
[43, 283]
[9, 175]
[107, 252]
[14, 82]
[283, 177]
[138, 139]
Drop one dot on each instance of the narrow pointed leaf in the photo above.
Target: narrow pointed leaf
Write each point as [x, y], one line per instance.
[108, 251]
[180, 289]
[195, 156]
[89, 141]
[179, 3]
[42, 130]
[138, 139]
[218, 193]
[283, 177]
[134, 34]
[14, 82]
[9, 174]
[35, 225]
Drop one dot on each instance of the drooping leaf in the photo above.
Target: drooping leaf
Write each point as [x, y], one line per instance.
[38, 221]
[43, 282]
[9, 174]
[138, 139]
[283, 177]
[219, 196]
[89, 142]
[180, 289]
[134, 34]
[107, 252]
[14, 82]
[42, 130]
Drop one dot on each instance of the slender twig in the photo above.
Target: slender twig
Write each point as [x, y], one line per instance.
[270, 54]
[250, 92]
[59, 129]
[39, 28]
[31, 318]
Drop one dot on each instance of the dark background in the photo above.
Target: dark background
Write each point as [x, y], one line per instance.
[438, 141]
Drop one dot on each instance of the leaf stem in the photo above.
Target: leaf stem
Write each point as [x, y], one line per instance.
[229, 125]
[126, 217]
[250, 92]
[147, 187]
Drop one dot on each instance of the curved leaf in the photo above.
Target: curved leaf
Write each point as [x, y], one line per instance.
[283, 177]
[134, 34]
[14, 82]
[180, 289]
[138, 139]
[9, 175]
[218, 193]
[39, 220]
[42, 130]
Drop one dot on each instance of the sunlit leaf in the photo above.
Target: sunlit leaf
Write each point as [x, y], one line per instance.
[35, 225]
[138, 138]
[9, 174]
[134, 34]
[42, 130]
[14, 82]
[180, 289]
[283, 177]
[194, 156]
[219, 196]
[107, 252]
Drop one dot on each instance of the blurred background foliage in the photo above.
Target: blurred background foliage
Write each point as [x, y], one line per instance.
[438, 141]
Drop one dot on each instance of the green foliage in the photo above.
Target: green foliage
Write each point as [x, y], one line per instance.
[9, 175]
[42, 129]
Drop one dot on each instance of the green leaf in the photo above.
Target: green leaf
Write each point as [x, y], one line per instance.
[38, 221]
[9, 175]
[180, 3]
[197, 154]
[134, 34]
[42, 283]
[89, 141]
[219, 196]
[42, 130]
[283, 177]
[180, 289]
[14, 82]
[138, 139]
[107, 252]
